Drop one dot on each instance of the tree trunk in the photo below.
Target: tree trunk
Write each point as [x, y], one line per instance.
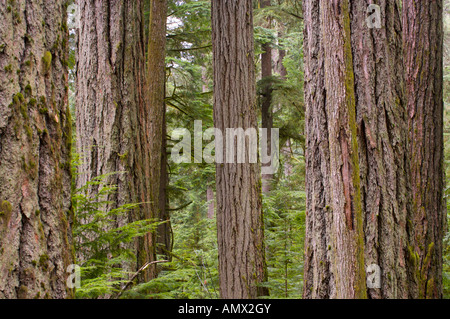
[164, 230]
[279, 66]
[266, 100]
[113, 121]
[318, 276]
[423, 46]
[156, 72]
[239, 214]
[378, 60]
[35, 143]
[357, 196]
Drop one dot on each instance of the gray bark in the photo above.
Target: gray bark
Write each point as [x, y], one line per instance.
[156, 74]
[423, 47]
[266, 100]
[113, 123]
[239, 214]
[357, 195]
[35, 142]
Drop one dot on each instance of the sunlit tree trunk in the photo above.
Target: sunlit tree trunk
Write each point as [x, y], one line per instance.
[156, 73]
[165, 237]
[210, 201]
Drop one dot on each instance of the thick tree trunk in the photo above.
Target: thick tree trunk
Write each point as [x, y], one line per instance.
[318, 276]
[35, 142]
[378, 59]
[347, 246]
[113, 122]
[357, 196]
[239, 213]
[423, 46]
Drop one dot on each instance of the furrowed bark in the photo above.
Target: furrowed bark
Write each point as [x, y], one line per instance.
[35, 142]
[239, 214]
[113, 122]
[423, 47]
[382, 139]
[357, 194]
[156, 73]
[347, 243]
[318, 277]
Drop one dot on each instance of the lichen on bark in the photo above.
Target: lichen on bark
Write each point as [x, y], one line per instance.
[34, 153]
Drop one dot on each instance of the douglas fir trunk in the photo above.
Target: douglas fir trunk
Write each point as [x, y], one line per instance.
[156, 73]
[239, 213]
[357, 196]
[35, 139]
[423, 46]
[113, 122]
[266, 100]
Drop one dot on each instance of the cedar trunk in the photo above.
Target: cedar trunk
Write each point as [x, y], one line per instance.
[239, 213]
[35, 143]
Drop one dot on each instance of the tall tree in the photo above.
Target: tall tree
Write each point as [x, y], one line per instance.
[266, 98]
[113, 113]
[35, 142]
[239, 214]
[346, 250]
[423, 46]
[357, 196]
[165, 235]
[317, 274]
[382, 139]
[156, 72]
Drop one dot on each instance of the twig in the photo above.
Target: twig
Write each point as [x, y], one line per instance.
[195, 268]
[191, 49]
[179, 208]
[137, 273]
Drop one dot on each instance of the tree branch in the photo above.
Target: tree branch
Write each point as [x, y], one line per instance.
[137, 273]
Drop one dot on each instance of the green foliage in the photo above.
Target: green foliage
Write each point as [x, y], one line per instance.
[193, 273]
[284, 211]
[103, 242]
[189, 88]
